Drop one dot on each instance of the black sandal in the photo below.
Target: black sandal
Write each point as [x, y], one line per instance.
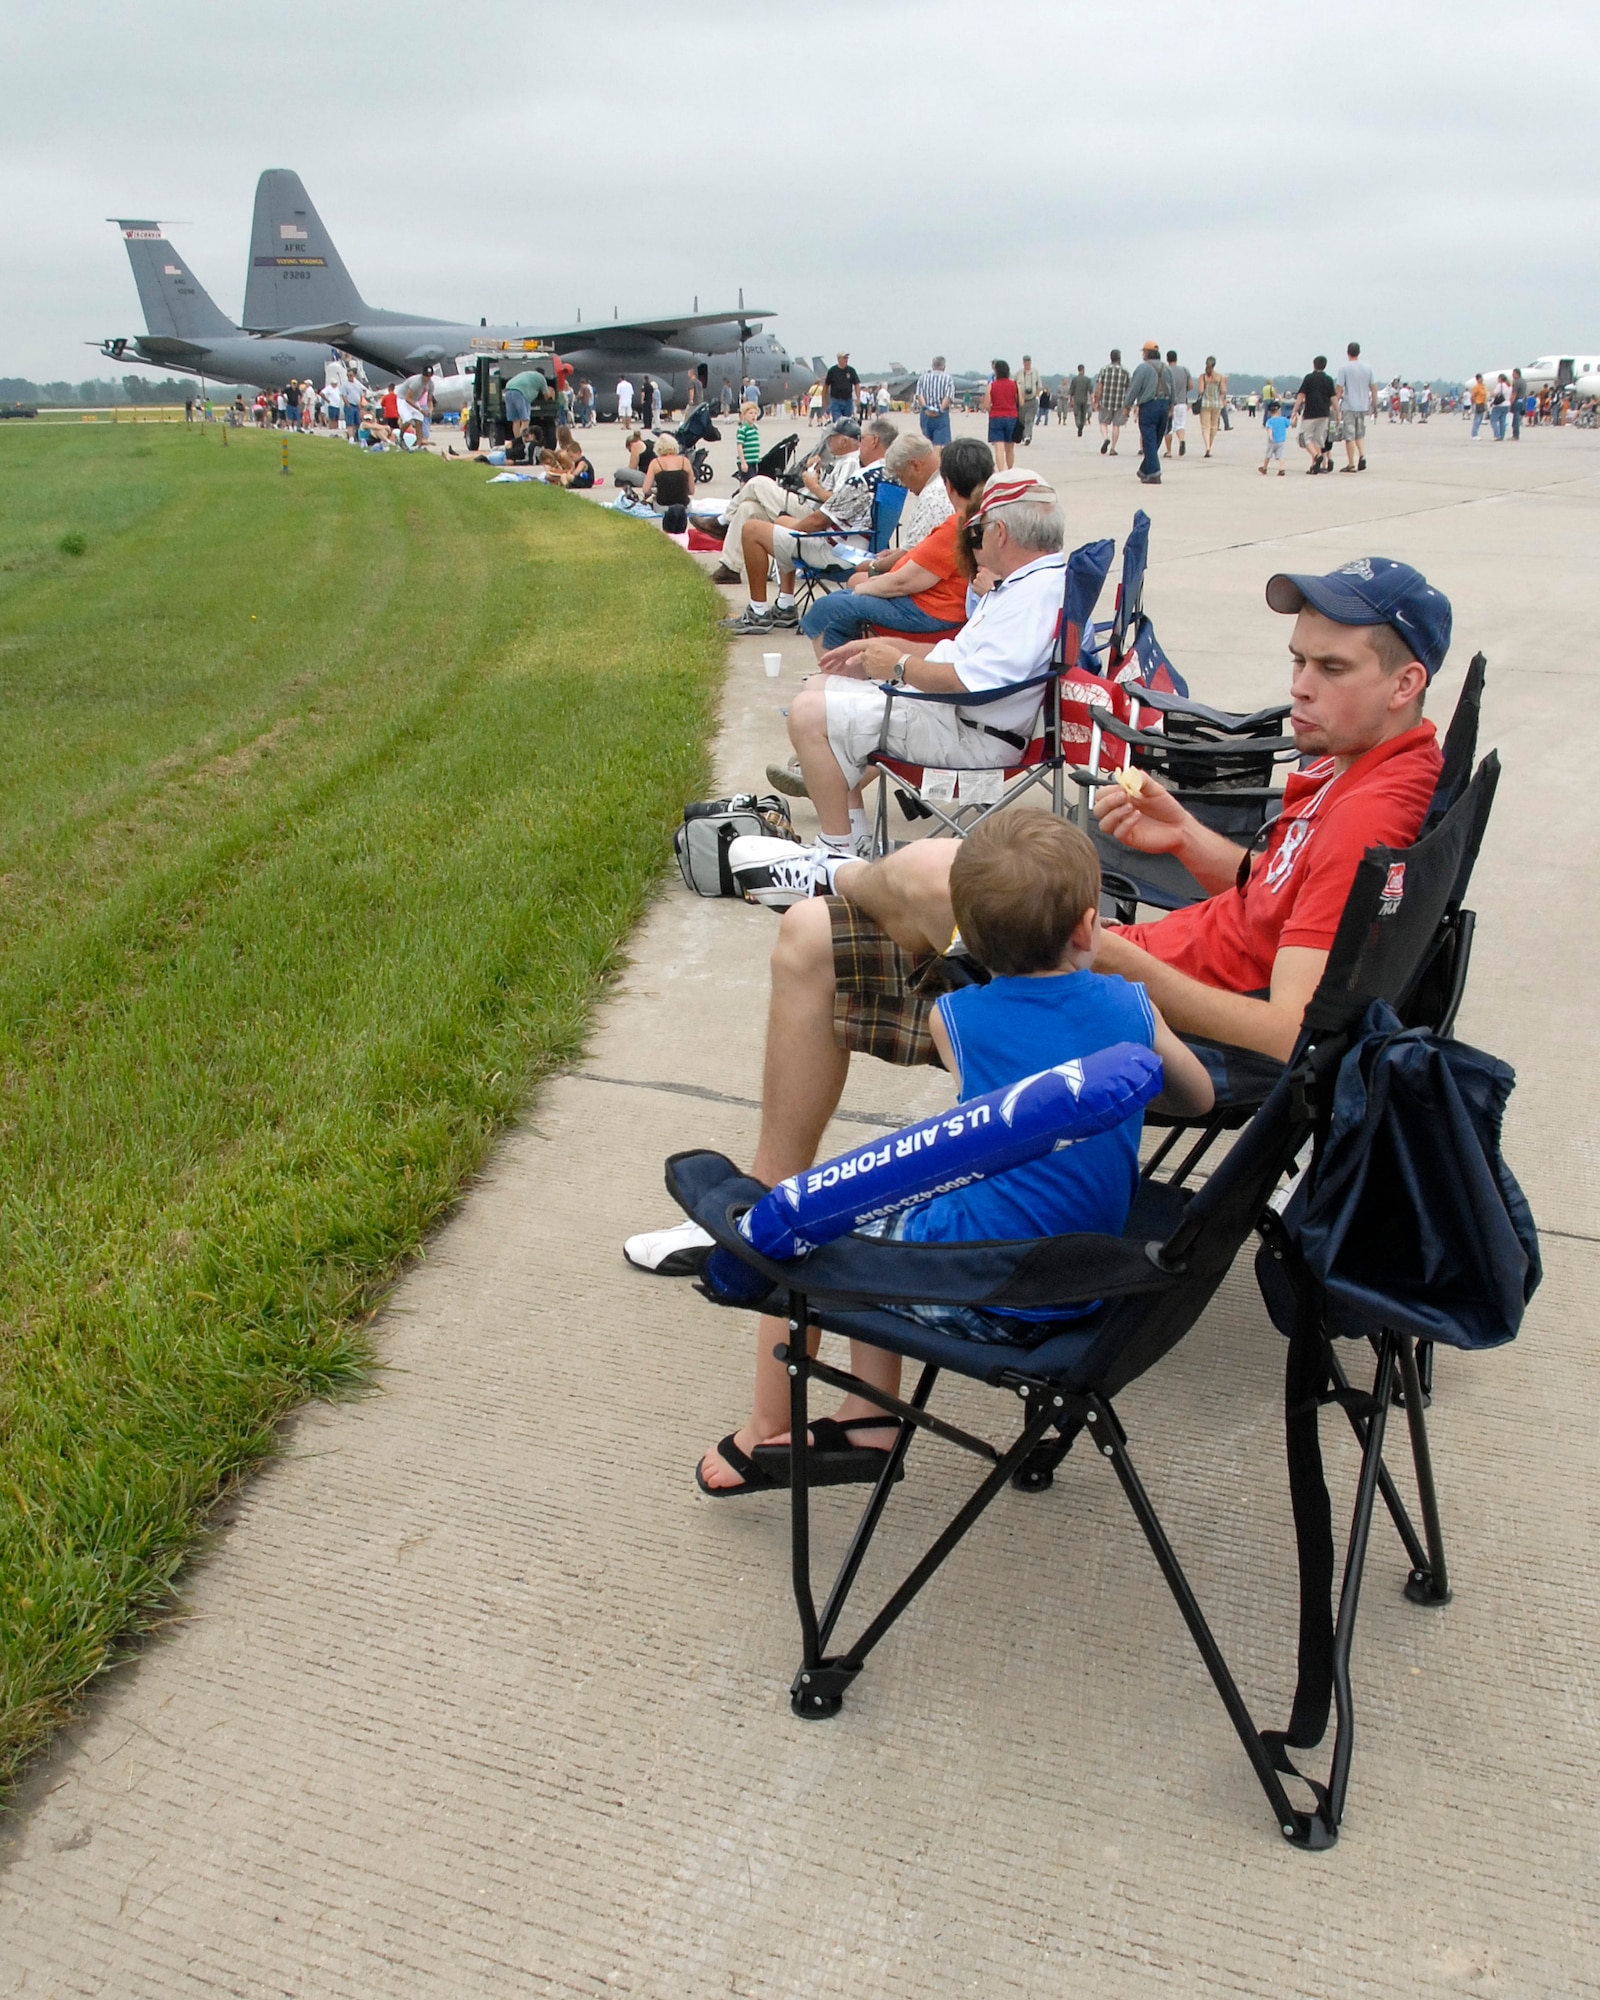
[756, 1478]
[832, 1460]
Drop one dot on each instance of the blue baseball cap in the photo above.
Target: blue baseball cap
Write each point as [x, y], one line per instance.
[1372, 590]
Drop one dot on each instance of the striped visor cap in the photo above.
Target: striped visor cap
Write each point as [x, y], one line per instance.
[1004, 489]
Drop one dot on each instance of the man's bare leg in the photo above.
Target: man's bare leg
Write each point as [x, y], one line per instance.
[757, 555]
[826, 784]
[906, 894]
[802, 1081]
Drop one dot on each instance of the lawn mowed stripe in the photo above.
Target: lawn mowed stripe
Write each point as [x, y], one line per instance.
[294, 917]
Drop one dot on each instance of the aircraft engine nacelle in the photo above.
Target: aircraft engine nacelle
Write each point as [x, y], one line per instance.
[428, 355]
[1586, 388]
[603, 362]
[721, 338]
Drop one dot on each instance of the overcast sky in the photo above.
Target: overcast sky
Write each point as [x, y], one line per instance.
[979, 180]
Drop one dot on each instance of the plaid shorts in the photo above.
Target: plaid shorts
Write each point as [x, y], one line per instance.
[883, 995]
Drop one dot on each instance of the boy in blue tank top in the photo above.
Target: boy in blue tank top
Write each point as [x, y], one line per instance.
[1026, 893]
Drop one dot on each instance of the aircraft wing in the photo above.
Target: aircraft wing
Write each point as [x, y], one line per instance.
[664, 330]
[335, 334]
[159, 348]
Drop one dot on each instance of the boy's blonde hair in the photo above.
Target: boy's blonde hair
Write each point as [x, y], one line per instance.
[749, 409]
[1019, 888]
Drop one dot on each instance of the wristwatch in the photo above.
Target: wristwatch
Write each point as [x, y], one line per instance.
[900, 666]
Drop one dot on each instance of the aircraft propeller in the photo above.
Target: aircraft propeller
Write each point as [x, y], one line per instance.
[745, 331]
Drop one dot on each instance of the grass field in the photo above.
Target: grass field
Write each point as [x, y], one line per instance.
[326, 804]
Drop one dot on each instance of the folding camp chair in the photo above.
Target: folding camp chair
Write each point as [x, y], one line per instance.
[1219, 763]
[1067, 697]
[1149, 1286]
[888, 504]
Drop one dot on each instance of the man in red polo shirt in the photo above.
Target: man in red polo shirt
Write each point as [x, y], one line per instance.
[1241, 966]
[859, 968]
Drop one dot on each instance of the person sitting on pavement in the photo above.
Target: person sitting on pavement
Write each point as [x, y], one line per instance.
[920, 590]
[670, 479]
[857, 969]
[847, 512]
[840, 717]
[566, 465]
[1025, 889]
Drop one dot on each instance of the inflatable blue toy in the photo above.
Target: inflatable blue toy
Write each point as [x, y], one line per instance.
[973, 1141]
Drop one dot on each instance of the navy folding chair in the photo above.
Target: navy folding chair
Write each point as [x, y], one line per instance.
[1147, 1288]
[812, 578]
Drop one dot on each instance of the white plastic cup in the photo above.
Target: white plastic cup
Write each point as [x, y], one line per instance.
[772, 662]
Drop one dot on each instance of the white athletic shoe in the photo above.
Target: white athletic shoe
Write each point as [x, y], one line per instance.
[778, 873]
[677, 1252]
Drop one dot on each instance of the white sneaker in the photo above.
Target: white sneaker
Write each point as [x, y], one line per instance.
[677, 1252]
[778, 873]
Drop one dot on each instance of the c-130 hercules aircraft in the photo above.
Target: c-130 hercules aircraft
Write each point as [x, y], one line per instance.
[298, 288]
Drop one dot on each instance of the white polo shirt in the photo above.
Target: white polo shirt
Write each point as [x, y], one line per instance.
[1010, 637]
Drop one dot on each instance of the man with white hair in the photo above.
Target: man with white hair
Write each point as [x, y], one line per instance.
[913, 462]
[839, 718]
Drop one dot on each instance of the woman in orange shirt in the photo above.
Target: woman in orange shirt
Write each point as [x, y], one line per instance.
[924, 596]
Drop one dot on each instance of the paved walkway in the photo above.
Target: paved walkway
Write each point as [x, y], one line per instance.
[471, 1695]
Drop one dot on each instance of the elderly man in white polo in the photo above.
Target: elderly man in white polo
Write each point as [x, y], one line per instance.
[837, 719]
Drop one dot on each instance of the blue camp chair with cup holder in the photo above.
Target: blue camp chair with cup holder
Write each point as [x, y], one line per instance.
[812, 579]
[1146, 1290]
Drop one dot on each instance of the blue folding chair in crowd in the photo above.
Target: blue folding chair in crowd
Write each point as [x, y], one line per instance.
[812, 578]
[1220, 763]
[1042, 753]
[1135, 1297]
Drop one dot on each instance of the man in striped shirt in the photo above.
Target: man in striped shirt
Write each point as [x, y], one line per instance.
[935, 393]
[1110, 394]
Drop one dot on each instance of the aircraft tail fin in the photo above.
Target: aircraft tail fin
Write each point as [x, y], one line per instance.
[176, 305]
[296, 276]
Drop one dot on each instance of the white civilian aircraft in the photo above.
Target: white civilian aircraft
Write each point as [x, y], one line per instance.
[1558, 371]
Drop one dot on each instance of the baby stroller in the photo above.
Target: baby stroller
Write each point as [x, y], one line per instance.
[693, 435]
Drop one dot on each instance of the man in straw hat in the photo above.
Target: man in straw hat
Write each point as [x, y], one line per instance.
[1150, 393]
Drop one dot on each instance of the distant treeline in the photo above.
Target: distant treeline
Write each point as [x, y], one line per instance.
[131, 389]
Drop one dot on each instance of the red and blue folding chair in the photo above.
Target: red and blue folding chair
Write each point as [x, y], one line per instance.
[1060, 736]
